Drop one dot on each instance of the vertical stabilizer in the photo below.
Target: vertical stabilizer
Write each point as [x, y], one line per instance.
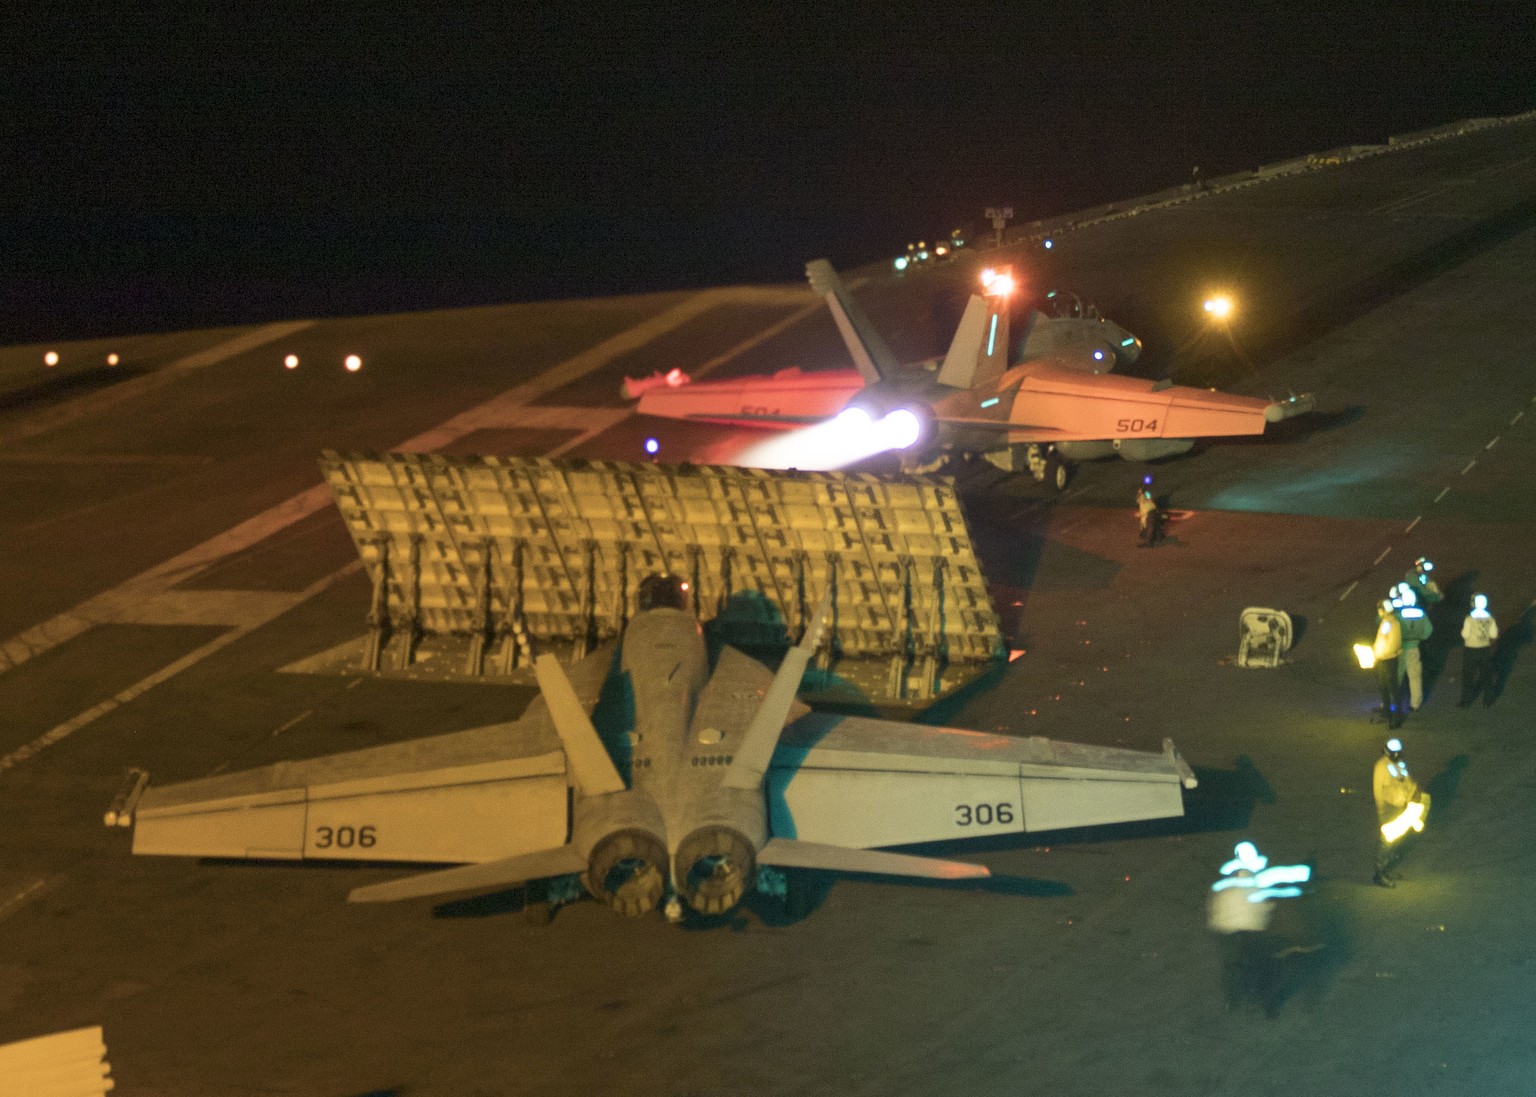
[870, 354]
[762, 734]
[1040, 339]
[590, 766]
[979, 353]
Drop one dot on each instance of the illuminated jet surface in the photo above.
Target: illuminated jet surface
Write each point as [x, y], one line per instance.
[662, 780]
[1058, 404]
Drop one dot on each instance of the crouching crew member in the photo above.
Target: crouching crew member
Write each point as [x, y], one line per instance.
[1394, 790]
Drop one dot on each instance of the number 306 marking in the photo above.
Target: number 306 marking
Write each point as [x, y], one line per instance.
[345, 837]
[983, 815]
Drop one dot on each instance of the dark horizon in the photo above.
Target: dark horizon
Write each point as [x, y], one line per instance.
[236, 167]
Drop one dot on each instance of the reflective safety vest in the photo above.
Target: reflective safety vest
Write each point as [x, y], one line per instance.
[1389, 638]
[1416, 626]
[1229, 911]
[1392, 787]
[1478, 631]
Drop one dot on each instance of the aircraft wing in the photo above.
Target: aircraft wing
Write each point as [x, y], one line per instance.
[787, 399]
[1054, 404]
[484, 794]
[862, 783]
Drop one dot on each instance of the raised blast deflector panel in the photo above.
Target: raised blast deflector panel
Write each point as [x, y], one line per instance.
[528, 552]
[860, 782]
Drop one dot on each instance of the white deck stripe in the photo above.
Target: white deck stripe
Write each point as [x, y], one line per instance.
[125, 602]
[122, 697]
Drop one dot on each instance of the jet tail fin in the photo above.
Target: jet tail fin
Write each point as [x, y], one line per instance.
[787, 853]
[870, 354]
[762, 734]
[590, 765]
[979, 352]
[488, 876]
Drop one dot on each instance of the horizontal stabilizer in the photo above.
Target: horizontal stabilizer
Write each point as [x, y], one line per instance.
[490, 876]
[787, 853]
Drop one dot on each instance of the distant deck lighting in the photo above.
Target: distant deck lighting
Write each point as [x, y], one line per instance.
[51, 358]
[291, 362]
[113, 359]
[1048, 243]
[652, 446]
[1219, 306]
[901, 262]
[353, 363]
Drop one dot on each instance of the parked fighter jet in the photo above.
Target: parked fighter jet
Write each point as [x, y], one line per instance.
[661, 780]
[1057, 405]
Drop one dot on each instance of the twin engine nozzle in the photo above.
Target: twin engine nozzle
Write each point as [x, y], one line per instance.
[714, 868]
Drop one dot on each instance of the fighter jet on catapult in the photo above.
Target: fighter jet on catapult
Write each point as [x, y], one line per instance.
[660, 779]
[1057, 405]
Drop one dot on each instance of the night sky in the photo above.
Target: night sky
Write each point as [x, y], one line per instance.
[175, 167]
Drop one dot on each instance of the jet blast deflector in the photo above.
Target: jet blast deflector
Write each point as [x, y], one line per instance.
[479, 564]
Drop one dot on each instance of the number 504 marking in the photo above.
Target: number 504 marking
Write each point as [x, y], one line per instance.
[983, 815]
[1134, 426]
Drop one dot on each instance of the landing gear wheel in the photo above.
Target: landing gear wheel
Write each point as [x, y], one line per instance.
[1057, 473]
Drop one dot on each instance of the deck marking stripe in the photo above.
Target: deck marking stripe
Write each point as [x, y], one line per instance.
[15, 901]
[192, 658]
[1412, 524]
[1518, 416]
[498, 411]
[1493, 443]
[1349, 590]
[1469, 466]
[301, 716]
[1382, 557]
[1442, 493]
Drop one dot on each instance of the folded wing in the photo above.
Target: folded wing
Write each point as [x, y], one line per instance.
[485, 794]
[1047, 403]
[862, 783]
